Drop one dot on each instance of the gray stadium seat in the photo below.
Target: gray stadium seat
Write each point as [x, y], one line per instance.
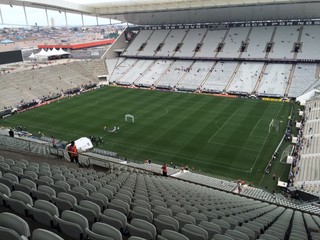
[194, 232]
[9, 179]
[89, 209]
[19, 202]
[141, 203]
[120, 206]
[103, 231]
[115, 219]
[64, 201]
[222, 237]
[236, 234]
[72, 224]
[44, 192]
[157, 210]
[15, 223]
[5, 192]
[26, 185]
[211, 228]
[43, 234]
[141, 213]
[8, 233]
[44, 212]
[163, 222]
[198, 217]
[184, 219]
[141, 228]
[172, 235]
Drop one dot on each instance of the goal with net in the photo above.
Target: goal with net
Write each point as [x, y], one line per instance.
[129, 118]
[274, 126]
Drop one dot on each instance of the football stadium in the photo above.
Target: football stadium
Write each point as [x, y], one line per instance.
[161, 120]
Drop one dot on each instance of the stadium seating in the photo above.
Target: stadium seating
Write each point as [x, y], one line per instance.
[171, 211]
[310, 46]
[232, 42]
[36, 83]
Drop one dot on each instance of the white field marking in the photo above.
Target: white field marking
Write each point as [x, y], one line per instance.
[223, 125]
[265, 140]
[255, 126]
[159, 115]
[52, 129]
[234, 146]
[176, 156]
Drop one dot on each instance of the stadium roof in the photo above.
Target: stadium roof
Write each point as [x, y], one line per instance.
[183, 11]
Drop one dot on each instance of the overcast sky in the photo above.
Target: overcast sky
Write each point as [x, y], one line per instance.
[15, 16]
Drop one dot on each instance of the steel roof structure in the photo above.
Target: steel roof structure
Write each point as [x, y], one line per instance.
[160, 12]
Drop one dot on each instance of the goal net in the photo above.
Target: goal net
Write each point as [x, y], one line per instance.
[129, 118]
[274, 126]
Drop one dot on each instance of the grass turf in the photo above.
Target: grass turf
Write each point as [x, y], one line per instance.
[219, 136]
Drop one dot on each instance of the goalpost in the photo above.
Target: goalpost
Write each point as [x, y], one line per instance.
[274, 126]
[129, 118]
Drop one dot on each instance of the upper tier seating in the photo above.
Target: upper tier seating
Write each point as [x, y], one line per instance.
[210, 43]
[193, 37]
[232, 43]
[141, 38]
[153, 42]
[257, 42]
[284, 40]
[310, 48]
[173, 39]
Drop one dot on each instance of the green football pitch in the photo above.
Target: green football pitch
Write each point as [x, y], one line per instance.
[216, 135]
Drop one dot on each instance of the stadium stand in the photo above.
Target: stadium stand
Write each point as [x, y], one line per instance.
[153, 42]
[195, 76]
[310, 45]
[275, 80]
[219, 77]
[304, 79]
[174, 74]
[205, 211]
[265, 45]
[283, 40]
[305, 168]
[39, 82]
[136, 45]
[171, 42]
[153, 74]
[130, 202]
[232, 42]
[210, 43]
[246, 78]
[257, 42]
[190, 41]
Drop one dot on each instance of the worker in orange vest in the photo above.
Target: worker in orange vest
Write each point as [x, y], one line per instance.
[164, 170]
[73, 152]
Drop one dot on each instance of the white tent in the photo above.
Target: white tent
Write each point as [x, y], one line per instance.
[61, 51]
[46, 54]
[32, 56]
[42, 55]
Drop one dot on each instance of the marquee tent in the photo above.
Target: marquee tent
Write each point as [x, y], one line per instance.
[54, 53]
